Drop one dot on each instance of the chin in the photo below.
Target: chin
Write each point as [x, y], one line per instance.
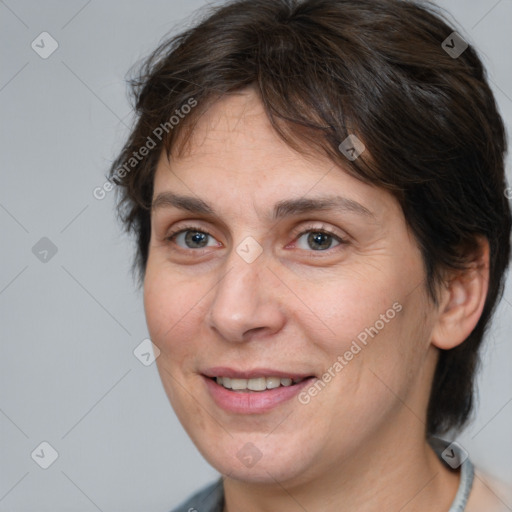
[242, 460]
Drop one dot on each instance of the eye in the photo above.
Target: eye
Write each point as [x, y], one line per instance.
[318, 240]
[192, 238]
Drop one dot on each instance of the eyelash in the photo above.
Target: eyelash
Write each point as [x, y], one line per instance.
[297, 234]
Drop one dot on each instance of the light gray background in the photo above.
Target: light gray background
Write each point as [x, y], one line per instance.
[69, 326]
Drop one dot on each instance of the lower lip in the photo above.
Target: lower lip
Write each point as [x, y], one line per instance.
[252, 402]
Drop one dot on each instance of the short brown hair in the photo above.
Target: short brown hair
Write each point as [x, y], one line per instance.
[325, 69]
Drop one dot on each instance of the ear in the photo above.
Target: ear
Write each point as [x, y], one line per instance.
[462, 300]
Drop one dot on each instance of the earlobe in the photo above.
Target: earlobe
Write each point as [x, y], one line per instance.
[462, 302]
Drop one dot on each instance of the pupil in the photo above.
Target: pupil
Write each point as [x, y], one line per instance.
[321, 241]
[196, 238]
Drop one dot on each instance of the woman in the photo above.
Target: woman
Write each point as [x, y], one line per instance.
[318, 195]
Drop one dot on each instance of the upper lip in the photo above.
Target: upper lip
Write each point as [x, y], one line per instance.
[224, 371]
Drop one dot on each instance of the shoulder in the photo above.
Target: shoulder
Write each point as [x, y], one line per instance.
[207, 499]
[489, 494]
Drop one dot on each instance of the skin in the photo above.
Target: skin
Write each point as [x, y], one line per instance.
[360, 443]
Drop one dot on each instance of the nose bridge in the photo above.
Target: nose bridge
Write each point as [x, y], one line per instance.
[243, 297]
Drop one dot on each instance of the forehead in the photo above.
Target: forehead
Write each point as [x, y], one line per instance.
[234, 152]
[235, 122]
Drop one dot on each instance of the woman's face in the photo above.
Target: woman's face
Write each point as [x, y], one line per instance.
[283, 266]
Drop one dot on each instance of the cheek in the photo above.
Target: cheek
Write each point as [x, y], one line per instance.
[370, 321]
[172, 304]
[343, 308]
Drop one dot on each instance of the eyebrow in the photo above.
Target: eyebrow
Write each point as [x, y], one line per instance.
[282, 209]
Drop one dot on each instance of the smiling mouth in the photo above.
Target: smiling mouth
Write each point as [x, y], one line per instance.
[257, 384]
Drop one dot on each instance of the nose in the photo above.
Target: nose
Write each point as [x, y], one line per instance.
[246, 302]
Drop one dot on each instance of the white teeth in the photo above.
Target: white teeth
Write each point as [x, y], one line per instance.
[256, 384]
[224, 381]
[238, 383]
[273, 382]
